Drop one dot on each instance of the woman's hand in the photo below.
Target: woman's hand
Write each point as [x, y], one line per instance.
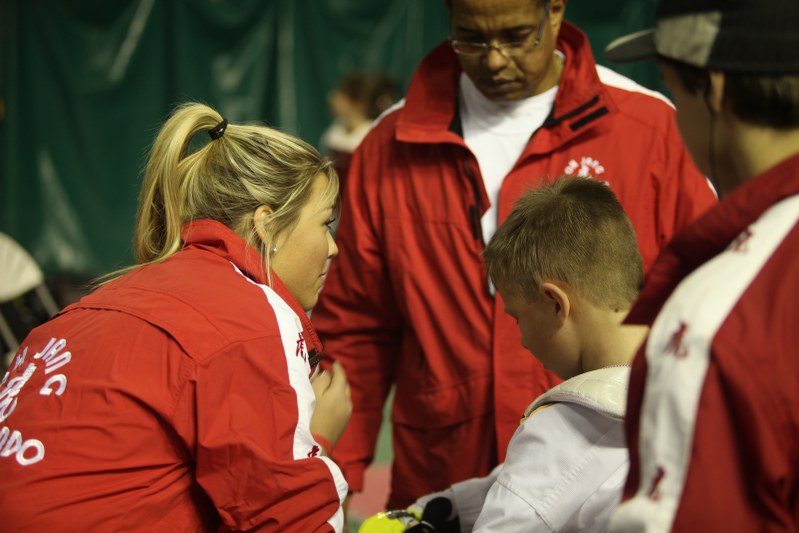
[333, 403]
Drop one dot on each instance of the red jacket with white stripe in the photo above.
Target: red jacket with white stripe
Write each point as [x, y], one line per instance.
[712, 411]
[175, 398]
[407, 299]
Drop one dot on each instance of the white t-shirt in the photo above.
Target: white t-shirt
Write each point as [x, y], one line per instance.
[496, 133]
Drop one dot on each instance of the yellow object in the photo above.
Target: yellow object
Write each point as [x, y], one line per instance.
[389, 522]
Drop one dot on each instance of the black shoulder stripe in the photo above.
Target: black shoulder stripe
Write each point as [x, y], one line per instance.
[552, 119]
[602, 111]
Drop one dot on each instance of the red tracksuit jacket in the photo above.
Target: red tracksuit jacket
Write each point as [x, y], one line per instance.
[175, 398]
[712, 411]
[407, 299]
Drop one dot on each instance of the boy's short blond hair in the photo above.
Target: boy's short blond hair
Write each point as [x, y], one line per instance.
[574, 231]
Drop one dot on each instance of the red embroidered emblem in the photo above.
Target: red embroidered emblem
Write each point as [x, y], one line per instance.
[654, 493]
[741, 241]
[676, 346]
[314, 451]
[301, 348]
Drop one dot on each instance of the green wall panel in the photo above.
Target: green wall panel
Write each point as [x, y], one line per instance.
[86, 83]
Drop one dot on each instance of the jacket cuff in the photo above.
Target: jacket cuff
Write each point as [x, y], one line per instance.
[469, 496]
[353, 473]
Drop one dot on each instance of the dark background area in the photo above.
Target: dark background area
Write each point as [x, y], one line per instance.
[85, 85]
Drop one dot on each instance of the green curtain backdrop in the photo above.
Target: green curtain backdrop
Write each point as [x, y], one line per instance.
[85, 85]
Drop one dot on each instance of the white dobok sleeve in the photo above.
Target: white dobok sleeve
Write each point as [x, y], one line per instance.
[564, 471]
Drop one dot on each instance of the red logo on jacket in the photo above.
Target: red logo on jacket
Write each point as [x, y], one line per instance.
[301, 348]
[654, 490]
[740, 244]
[676, 346]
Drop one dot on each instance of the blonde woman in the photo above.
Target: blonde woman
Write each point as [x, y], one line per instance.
[183, 394]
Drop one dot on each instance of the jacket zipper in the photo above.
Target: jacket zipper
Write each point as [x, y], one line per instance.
[474, 218]
[475, 209]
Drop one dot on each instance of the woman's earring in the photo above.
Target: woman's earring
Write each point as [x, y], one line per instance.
[274, 249]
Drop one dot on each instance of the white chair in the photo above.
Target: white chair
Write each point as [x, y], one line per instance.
[19, 275]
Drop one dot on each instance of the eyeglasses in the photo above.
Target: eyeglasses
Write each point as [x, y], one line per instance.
[508, 48]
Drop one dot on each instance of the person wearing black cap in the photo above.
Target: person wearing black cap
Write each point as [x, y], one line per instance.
[712, 416]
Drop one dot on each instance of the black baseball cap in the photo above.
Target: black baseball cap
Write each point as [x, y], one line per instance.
[744, 36]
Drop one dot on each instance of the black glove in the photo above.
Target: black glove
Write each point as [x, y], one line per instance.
[436, 518]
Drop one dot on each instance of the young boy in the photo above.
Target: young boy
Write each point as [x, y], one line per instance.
[567, 266]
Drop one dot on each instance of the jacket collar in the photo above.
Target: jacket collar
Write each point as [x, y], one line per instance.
[603, 390]
[218, 239]
[711, 234]
[431, 103]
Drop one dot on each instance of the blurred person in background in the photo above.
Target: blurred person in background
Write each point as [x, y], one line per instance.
[355, 103]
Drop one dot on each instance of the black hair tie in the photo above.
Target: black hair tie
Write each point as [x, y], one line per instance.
[219, 130]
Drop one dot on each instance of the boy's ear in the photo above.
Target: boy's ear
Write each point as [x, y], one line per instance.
[558, 299]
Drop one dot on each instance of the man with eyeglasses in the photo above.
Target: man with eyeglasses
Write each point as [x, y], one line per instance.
[512, 98]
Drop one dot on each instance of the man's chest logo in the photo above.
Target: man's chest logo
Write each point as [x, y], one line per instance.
[586, 167]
